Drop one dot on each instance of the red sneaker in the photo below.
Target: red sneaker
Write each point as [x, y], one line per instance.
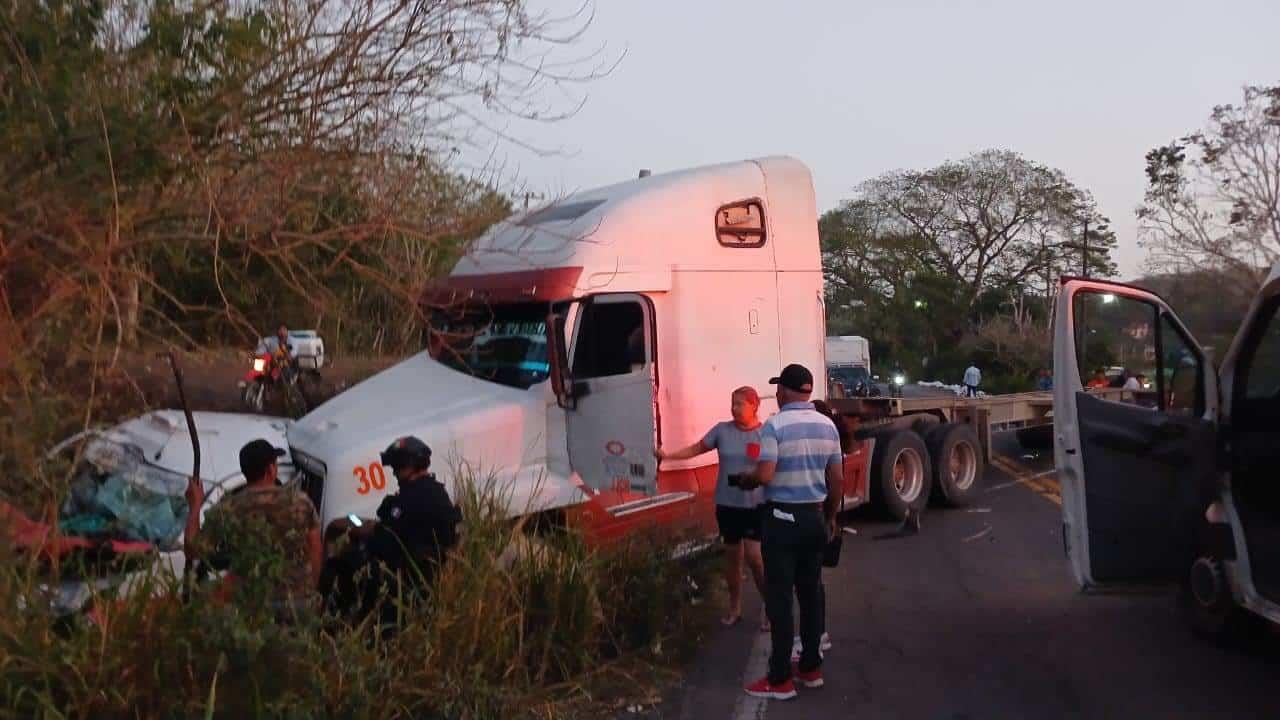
[811, 679]
[761, 688]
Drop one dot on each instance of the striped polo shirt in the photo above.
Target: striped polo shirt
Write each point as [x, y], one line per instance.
[803, 442]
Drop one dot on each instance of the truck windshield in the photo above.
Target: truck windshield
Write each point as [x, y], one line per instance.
[849, 376]
[506, 344]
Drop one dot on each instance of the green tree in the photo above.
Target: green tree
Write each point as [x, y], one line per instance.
[919, 260]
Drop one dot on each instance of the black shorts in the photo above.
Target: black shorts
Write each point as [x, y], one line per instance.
[738, 523]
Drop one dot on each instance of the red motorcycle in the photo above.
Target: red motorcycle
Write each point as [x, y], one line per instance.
[267, 374]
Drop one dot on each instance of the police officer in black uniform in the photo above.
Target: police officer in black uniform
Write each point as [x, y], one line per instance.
[404, 548]
[417, 524]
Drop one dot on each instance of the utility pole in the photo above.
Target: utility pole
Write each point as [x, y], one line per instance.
[1084, 255]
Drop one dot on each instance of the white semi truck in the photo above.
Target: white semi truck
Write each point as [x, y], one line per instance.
[572, 340]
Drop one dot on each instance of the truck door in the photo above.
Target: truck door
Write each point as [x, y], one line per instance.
[1251, 392]
[1136, 468]
[611, 432]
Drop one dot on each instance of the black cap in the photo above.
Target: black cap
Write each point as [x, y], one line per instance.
[256, 455]
[407, 450]
[794, 377]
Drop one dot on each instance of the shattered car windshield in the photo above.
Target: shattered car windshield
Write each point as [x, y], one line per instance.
[117, 495]
[506, 344]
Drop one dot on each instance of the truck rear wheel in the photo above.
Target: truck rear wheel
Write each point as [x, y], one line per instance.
[957, 462]
[901, 472]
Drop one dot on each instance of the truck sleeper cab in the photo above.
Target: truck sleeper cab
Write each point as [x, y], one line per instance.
[570, 341]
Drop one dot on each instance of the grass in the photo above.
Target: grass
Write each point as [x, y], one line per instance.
[518, 625]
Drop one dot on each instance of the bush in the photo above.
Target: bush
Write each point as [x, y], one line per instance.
[516, 624]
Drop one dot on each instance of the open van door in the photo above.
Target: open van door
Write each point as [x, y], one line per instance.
[1137, 468]
[1251, 421]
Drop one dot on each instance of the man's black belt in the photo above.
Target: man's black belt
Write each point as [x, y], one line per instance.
[787, 505]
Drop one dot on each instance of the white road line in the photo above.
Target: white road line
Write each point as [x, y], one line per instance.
[747, 707]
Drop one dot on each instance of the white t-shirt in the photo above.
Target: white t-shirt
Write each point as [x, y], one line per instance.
[1132, 384]
[973, 376]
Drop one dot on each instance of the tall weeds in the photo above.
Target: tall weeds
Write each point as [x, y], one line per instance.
[517, 624]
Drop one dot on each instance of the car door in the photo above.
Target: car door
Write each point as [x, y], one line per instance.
[1251, 419]
[611, 428]
[1137, 468]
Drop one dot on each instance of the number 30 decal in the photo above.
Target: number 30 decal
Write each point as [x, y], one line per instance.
[372, 478]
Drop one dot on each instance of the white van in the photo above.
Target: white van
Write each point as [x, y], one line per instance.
[1181, 487]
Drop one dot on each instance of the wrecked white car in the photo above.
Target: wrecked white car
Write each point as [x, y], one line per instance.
[1175, 484]
[126, 502]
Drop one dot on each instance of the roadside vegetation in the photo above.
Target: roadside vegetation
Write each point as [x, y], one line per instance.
[517, 626]
[189, 174]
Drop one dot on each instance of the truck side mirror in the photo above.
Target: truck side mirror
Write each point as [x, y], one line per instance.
[558, 355]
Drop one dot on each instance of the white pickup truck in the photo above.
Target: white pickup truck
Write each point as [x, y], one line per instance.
[1176, 485]
[305, 346]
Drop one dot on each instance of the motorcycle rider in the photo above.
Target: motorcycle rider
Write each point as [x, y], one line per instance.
[282, 353]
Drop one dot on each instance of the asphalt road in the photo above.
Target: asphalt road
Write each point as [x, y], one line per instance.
[977, 617]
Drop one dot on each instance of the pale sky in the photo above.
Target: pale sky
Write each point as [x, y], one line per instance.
[858, 88]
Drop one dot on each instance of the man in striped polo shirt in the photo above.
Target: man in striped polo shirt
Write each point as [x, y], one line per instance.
[801, 469]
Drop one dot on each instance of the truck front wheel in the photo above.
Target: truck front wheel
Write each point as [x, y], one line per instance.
[957, 462]
[901, 472]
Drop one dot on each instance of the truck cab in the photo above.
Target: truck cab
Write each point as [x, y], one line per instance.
[1174, 484]
[848, 364]
[572, 340]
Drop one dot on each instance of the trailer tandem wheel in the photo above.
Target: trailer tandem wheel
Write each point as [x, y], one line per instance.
[901, 473]
[957, 462]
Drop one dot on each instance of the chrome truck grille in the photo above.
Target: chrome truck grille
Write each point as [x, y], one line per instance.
[312, 473]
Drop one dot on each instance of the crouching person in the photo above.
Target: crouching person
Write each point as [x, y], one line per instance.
[416, 526]
[264, 535]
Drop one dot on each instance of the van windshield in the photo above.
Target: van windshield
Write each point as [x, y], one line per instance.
[506, 344]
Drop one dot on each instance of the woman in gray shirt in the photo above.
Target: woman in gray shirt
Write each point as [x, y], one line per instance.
[737, 511]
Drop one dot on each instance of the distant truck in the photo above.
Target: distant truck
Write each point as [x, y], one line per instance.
[848, 364]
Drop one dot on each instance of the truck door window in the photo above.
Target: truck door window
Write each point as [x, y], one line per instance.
[611, 340]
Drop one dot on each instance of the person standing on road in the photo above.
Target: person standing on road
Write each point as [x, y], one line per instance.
[1044, 382]
[800, 468]
[737, 442]
[972, 379]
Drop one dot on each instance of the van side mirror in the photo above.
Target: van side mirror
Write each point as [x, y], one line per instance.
[561, 383]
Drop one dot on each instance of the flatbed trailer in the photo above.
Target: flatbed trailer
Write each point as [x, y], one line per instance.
[904, 451]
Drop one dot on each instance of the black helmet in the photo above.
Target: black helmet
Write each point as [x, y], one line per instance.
[407, 450]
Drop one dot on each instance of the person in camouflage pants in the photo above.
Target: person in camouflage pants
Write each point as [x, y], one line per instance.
[262, 531]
